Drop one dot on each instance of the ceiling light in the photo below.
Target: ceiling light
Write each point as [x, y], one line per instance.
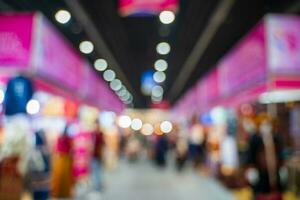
[167, 17]
[159, 77]
[147, 129]
[62, 16]
[156, 99]
[109, 75]
[100, 64]
[33, 107]
[136, 124]
[166, 127]
[157, 91]
[161, 65]
[116, 84]
[122, 92]
[86, 47]
[163, 48]
[126, 97]
[124, 121]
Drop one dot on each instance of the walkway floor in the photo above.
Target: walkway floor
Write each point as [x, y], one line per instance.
[143, 181]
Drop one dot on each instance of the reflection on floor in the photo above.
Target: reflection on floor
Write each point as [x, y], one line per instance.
[141, 180]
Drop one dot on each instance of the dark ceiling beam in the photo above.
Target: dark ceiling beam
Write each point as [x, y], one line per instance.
[218, 17]
[5, 7]
[100, 45]
[294, 8]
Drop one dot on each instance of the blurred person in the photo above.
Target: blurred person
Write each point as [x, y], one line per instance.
[196, 142]
[161, 148]
[39, 167]
[181, 152]
[61, 176]
[264, 159]
[133, 148]
[14, 156]
[97, 158]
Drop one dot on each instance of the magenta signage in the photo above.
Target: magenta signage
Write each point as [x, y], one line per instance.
[57, 60]
[144, 7]
[283, 33]
[16, 40]
[207, 91]
[267, 58]
[244, 66]
[29, 43]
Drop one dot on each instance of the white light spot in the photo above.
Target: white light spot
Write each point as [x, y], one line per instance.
[63, 16]
[33, 107]
[157, 91]
[156, 99]
[100, 64]
[167, 17]
[109, 75]
[86, 47]
[147, 129]
[159, 77]
[163, 48]
[136, 124]
[122, 92]
[116, 84]
[124, 121]
[2, 96]
[161, 65]
[166, 127]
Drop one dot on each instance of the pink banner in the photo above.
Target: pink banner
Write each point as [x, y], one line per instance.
[283, 44]
[267, 58]
[245, 65]
[29, 42]
[57, 60]
[208, 91]
[16, 40]
[135, 7]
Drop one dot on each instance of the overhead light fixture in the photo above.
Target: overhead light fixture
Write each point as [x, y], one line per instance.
[62, 16]
[122, 92]
[100, 64]
[136, 124]
[157, 91]
[86, 47]
[147, 129]
[115, 84]
[167, 17]
[124, 121]
[109, 75]
[126, 97]
[166, 127]
[159, 77]
[163, 48]
[33, 107]
[156, 99]
[161, 65]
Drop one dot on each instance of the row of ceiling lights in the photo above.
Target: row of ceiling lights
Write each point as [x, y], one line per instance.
[147, 129]
[101, 65]
[161, 65]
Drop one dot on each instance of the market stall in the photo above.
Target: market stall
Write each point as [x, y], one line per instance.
[30, 45]
[261, 72]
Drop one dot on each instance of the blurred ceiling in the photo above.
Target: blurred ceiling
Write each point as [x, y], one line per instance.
[130, 42]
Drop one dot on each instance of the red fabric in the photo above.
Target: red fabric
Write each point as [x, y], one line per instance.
[98, 144]
[272, 196]
[64, 144]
